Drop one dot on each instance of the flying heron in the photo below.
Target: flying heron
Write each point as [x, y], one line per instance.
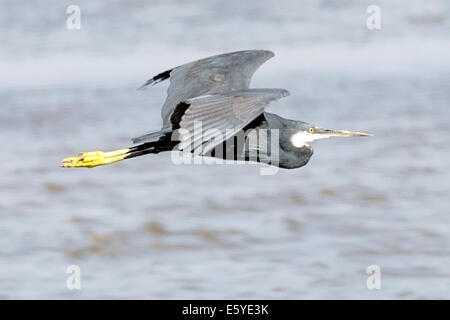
[216, 92]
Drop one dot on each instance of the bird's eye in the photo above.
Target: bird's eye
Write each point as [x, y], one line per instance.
[311, 130]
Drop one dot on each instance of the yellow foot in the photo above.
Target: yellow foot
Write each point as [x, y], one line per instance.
[95, 158]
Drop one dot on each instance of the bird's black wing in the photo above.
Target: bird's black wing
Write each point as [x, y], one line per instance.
[208, 121]
[214, 75]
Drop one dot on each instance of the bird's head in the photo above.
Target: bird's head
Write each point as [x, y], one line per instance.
[306, 133]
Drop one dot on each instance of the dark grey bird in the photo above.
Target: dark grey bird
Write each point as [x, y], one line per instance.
[211, 111]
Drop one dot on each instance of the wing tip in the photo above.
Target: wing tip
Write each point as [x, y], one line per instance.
[284, 92]
[269, 53]
[264, 54]
[156, 79]
[255, 53]
[279, 93]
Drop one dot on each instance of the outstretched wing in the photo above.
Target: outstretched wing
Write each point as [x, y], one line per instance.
[214, 75]
[208, 121]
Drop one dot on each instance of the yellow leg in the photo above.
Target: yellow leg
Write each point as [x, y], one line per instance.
[95, 158]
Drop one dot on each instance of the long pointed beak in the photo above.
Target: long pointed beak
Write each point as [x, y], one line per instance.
[341, 133]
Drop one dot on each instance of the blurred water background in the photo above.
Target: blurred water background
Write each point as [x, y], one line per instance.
[146, 228]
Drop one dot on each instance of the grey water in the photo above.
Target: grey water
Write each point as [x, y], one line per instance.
[149, 229]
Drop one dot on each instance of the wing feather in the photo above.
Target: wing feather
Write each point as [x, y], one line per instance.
[214, 75]
[221, 116]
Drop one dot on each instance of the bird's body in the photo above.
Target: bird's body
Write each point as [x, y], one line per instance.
[211, 111]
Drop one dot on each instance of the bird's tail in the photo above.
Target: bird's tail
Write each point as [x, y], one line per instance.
[98, 158]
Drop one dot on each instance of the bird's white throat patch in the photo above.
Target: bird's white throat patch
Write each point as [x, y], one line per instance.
[302, 138]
